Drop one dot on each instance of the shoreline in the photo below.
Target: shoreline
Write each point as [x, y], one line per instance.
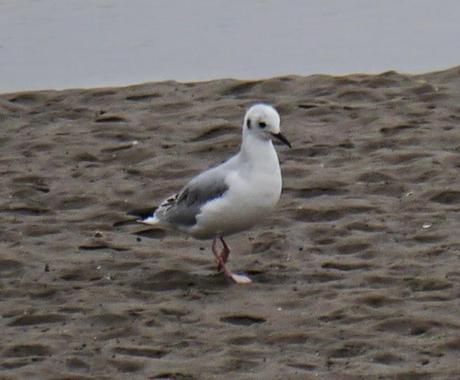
[199, 81]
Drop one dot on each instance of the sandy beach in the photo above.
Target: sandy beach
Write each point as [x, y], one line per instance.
[356, 275]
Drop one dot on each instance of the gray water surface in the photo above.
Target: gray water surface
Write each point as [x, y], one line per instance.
[79, 43]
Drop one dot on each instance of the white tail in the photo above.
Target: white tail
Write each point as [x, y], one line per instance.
[152, 220]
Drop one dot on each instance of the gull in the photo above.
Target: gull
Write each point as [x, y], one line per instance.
[233, 196]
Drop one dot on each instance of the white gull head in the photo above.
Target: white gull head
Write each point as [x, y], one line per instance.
[263, 122]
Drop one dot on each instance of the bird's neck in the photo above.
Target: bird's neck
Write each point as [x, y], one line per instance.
[258, 152]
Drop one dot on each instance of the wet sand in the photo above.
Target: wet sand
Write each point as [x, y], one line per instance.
[356, 276]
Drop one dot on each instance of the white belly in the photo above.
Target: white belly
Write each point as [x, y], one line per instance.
[246, 203]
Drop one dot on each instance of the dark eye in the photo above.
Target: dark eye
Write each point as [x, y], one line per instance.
[248, 123]
[262, 124]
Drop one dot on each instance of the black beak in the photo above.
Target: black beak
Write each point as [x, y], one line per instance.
[283, 139]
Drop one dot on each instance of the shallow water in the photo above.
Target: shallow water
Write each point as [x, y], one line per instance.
[52, 44]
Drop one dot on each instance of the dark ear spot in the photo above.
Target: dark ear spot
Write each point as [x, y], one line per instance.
[248, 123]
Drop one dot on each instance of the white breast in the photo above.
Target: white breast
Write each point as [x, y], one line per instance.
[254, 191]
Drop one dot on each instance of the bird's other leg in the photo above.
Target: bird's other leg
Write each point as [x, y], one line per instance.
[237, 278]
[224, 253]
[219, 259]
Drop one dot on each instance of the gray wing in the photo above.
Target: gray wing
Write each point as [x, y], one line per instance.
[183, 207]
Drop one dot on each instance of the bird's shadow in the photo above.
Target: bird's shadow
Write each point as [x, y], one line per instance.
[173, 279]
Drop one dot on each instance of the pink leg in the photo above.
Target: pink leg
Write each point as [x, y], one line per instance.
[238, 278]
[219, 259]
[224, 254]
